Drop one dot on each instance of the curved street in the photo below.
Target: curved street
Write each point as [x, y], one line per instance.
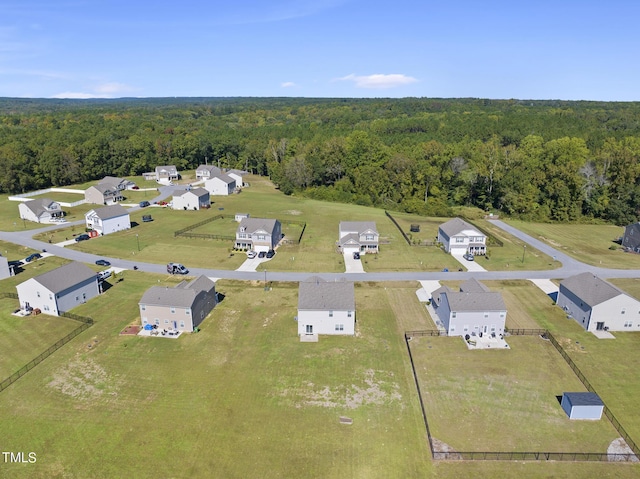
[569, 266]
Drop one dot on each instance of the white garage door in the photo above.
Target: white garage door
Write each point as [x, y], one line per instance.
[350, 249]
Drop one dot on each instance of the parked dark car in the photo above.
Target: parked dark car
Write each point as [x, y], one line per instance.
[468, 257]
[144, 204]
[33, 256]
[103, 262]
[262, 254]
[82, 237]
[271, 253]
[356, 255]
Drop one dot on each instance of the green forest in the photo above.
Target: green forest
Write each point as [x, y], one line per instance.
[535, 160]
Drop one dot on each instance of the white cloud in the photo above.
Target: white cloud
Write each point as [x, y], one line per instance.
[379, 81]
[288, 84]
[105, 90]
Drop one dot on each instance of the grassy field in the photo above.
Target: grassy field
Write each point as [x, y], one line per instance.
[587, 243]
[201, 405]
[502, 400]
[22, 339]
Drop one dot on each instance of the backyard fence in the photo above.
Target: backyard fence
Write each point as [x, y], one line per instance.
[393, 220]
[86, 324]
[450, 455]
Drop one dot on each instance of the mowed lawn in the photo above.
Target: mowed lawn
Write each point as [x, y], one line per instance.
[24, 338]
[242, 398]
[587, 243]
[502, 400]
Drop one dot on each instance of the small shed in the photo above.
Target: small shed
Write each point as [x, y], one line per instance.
[415, 228]
[241, 216]
[582, 405]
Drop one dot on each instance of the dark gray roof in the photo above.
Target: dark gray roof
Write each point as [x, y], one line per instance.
[352, 238]
[590, 289]
[252, 225]
[475, 301]
[40, 205]
[199, 192]
[237, 172]
[114, 181]
[209, 168]
[104, 188]
[182, 295]
[584, 399]
[110, 212]
[224, 177]
[66, 276]
[320, 295]
[170, 169]
[357, 226]
[456, 226]
[473, 286]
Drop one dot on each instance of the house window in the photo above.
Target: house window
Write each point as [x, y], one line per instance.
[173, 310]
[486, 315]
[349, 314]
[157, 321]
[50, 296]
[331, 314]
[623, 311]
[466, 328]
[182, 324]
[166, 321]
[242, 235]
[77, 298]
[493, 328]
[453, 328]
[453, 314]
[143, 307]
[262, 237]
[46, 307]
[187, 311]
[369, 237]
[459, 240]
[502, 315]
[38, 293]
[339, 327]
[144, 320]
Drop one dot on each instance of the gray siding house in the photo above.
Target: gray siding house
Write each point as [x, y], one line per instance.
[631, 238]
[59, 290]
[181, 308]
[598, 305]
[326, 307]
[207, 171]
[117, 183]
[473, 311]
[258, 234]
[166, 173]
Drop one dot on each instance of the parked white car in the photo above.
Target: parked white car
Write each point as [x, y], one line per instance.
[251, 254]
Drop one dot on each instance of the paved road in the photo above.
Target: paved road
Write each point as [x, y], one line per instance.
[568, 266]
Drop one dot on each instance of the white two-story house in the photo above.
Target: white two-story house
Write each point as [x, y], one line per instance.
[108, 219]
[358, 236]
[326, 307]
[459, 237]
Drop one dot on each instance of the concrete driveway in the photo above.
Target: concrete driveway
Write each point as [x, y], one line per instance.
[252, 264]
[352, 265]
[470, 265]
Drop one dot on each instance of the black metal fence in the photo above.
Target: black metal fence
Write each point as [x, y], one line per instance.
[533, 455]
[86, 324]
[393, 220]
[196, 225]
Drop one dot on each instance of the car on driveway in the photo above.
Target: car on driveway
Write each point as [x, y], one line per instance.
[144, 204]
[102, 275]
[82, 237]
[468, 256]
[103, 262]
[262, 254]
[356, 255]
[32, 257]
[251, 254]
[176, 268]
[271, 253]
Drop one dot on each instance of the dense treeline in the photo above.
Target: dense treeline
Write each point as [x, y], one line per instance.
[538, 160]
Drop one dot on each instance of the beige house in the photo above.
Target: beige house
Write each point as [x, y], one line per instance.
[204, 172]
[326, 307]
[102, 194]
[181, 308]
[166, 173]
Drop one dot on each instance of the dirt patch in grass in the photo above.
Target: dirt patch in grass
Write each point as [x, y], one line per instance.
[84, 379]
[442, 450]
[132, 329]
[375, 391]
[619, 446]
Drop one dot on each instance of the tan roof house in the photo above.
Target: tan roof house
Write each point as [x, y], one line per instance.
[181, 308]
[59, 290]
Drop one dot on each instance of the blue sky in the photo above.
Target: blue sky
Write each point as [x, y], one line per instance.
[562, 49]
